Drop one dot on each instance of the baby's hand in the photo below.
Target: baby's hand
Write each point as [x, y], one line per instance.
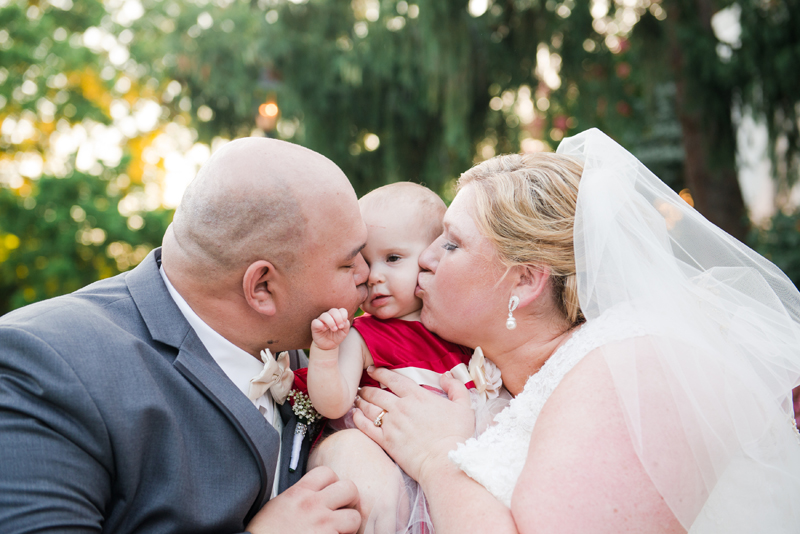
[330, 328]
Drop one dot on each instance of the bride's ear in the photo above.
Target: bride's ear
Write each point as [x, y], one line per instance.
[531, 283]
[257, 284]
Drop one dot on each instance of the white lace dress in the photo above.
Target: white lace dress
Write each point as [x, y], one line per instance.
[495, 459]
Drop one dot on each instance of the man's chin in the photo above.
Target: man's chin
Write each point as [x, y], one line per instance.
[364, 296]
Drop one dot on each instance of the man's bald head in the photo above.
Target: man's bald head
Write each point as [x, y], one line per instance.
[266, 238]
[250, 201]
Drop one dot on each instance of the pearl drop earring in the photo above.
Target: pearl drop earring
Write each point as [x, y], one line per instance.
[511, 323]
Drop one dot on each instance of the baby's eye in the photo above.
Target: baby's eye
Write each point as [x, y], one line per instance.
[391, 258]
[449, 246]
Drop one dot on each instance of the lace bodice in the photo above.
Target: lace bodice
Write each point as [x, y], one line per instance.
[495, 459]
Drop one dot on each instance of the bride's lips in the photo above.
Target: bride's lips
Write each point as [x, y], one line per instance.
[419, 290]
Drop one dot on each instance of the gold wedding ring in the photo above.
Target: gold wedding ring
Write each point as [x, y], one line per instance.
[379, 419]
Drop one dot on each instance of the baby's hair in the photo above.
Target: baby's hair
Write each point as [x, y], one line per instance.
[428, 207]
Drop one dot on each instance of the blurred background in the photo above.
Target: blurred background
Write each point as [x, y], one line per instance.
[108, 107]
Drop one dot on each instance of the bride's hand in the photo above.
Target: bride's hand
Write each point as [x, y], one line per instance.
[419, 427]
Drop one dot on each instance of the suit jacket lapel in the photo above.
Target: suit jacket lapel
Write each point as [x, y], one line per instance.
[199, 367]
[167, 325]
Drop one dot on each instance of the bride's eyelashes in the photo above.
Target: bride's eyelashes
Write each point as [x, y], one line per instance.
[449, 246]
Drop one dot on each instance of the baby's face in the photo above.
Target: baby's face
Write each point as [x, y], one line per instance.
[394, 243]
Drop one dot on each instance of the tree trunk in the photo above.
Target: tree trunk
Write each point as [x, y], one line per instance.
[704, 102]
[713, 184]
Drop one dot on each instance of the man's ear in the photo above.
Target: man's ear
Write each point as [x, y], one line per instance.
[257, 284]
[531, 283]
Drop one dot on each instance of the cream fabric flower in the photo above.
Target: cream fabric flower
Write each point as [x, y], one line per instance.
[276, 376]
[485, 375]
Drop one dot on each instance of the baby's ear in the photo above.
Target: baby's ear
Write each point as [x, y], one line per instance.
[257, 285]
[531, 283]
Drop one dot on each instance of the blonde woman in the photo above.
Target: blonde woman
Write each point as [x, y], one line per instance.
[651, 357]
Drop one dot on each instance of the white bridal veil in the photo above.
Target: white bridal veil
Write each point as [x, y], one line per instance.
[707, 393]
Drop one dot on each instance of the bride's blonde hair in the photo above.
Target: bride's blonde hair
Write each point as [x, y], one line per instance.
[526, 207]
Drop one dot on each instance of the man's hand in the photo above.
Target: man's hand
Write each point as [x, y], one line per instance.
[330, 328]
[319, 503]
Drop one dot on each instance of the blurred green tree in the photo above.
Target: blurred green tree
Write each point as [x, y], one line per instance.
[779, 242]
[398, 96]
[388, 89]
[622, 62]
[67, 233]
[61, 228]
[393, 90]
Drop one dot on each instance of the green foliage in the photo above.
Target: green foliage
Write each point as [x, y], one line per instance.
[67, 233]
[38, 49]
[780, 243]
[59, 233]
[769, 59]
[411, 91]
[419, 84]
[218, 66]
[422, 82]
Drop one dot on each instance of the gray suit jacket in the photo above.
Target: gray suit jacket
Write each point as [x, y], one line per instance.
[114, 418]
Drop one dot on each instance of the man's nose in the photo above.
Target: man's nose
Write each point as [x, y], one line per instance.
[361, 271]
[429, 258]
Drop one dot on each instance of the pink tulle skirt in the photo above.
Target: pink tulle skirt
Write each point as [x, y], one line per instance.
[411, 513]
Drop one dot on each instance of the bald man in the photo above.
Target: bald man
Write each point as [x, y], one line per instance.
[126, 406]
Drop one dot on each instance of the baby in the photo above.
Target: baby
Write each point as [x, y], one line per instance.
[402, 220]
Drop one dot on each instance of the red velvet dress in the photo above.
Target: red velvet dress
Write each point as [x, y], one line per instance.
[409, 348]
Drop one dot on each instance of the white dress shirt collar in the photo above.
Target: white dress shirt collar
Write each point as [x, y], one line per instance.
[239, 365]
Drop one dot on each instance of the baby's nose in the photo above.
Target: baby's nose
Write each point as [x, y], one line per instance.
[375, 277]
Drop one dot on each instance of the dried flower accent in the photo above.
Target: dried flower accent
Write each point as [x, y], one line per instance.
[302, 407]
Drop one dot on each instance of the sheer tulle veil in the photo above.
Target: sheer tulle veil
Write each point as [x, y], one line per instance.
[707, 393]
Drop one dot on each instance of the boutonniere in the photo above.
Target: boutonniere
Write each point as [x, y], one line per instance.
[308, 418]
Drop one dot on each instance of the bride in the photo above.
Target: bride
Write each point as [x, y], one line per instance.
[651, 357]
